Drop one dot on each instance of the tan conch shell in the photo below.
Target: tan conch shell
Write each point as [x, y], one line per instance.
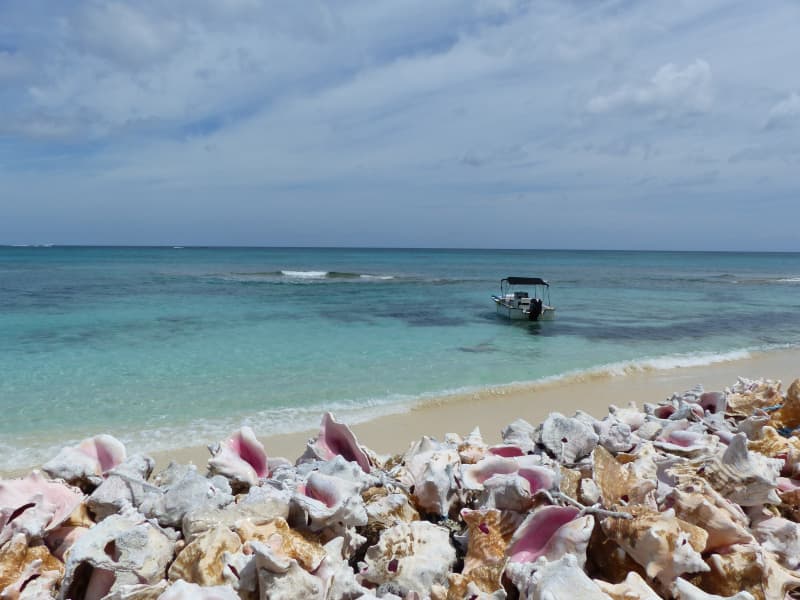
[20, 563]
[385, 509]
[472, 448]
[746, 478]
[606, 559]
[788, 415]
[201, 561]
[632, 588]
[616, 481]
[488, 534]
[748, 395]
[722, 525]
[664, 545]
[283, 541]
[772, 444]
[569, 482]
[747, 568]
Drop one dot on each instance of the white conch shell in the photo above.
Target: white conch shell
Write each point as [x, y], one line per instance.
[34, 506]
[632, 588]
[615, 435]
[241, 458]
[120, 550]
[683, 590]
[520, 434]
[125, 485]
[183, 489]
[432, 468]
[86, 463]
[261, 504]
[280, 577]
[410, 556]
[664, 545]
[780, 536]
[182, 590]
[566, 439]
[546, 580]
[743, 477]
[338, 578]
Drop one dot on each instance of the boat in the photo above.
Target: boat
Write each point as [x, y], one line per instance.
[524, 305]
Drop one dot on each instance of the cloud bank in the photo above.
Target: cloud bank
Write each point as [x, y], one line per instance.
[616, 124]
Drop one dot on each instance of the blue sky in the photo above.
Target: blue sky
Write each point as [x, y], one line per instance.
[485, 123]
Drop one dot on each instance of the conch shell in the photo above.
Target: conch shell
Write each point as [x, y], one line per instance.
[664, 545]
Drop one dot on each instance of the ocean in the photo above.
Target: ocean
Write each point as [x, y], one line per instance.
[173, 347]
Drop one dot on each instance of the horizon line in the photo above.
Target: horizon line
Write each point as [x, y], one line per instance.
[344, 247]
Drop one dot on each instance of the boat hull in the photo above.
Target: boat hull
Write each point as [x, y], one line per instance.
[517, 314]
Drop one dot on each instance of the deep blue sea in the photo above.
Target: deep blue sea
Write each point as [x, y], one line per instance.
[170, 347]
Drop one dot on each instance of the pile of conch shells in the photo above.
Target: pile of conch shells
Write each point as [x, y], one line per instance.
[697, 497]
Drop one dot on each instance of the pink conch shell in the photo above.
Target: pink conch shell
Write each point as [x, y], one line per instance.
[88, 461]
[338, 439]
[34, 506]
[240, 458]
[527, 467]
[551, 531]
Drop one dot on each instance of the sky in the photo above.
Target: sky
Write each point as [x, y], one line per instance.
[415, 123]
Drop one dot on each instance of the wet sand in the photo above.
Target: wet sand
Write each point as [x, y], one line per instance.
[493, 410]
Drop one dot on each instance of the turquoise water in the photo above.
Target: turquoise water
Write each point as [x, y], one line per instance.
[168, 347]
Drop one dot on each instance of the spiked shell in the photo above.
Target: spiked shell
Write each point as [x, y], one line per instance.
[664, 545]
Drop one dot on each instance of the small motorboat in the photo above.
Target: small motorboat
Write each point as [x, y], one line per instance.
[532, 304]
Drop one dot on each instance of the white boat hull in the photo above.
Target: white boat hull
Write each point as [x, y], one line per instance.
[517, 314]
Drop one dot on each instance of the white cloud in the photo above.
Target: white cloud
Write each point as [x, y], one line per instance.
[316, 100]
[785, 112]
[670, 91]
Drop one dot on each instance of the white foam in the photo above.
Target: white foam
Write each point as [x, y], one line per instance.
[789, 280]
[305, 274]
[381, 277]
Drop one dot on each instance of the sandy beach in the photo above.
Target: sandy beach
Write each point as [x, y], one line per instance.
[494, 409]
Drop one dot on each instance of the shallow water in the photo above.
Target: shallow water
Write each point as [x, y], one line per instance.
[169, 347]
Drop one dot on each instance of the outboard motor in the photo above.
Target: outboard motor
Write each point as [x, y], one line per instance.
[536, 309]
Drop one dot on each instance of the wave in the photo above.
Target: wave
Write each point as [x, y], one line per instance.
[296, 276]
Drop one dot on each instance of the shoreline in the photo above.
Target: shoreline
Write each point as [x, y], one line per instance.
[493, 408]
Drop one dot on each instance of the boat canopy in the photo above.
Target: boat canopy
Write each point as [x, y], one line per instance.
[524, 281]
